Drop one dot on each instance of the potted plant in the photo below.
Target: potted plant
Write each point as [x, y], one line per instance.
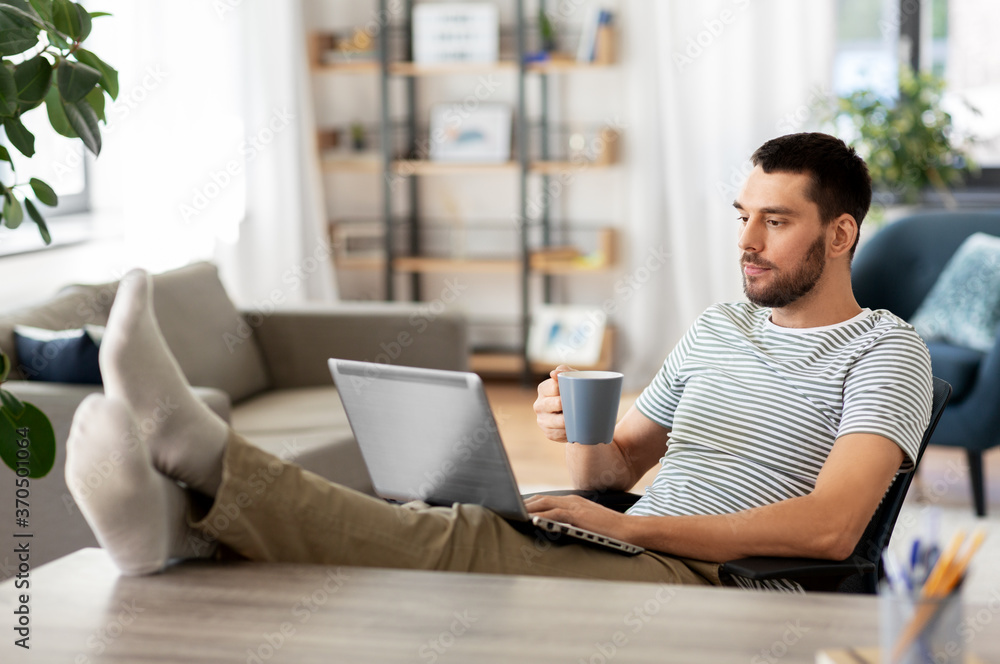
[42, 61]
[908, 142]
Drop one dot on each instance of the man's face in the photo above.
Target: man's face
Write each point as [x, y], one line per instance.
[782, 239]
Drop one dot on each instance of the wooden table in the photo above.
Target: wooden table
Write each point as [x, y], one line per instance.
[82, 611]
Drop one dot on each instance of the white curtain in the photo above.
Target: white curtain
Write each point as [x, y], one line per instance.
[709, 82]
[283, 251]
[208, 151]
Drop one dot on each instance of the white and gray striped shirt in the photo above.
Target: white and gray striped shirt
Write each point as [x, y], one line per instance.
[754, 409]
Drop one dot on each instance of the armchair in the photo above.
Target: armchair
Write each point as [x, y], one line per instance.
[895, 270]
[859, 573]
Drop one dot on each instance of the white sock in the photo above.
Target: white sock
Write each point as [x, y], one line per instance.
[185, 438]
[138, 515]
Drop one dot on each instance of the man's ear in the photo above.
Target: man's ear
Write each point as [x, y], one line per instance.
[843, 231]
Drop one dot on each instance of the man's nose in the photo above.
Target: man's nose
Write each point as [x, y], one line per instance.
[751, 238]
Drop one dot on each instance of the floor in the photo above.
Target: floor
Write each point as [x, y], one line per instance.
[942, 483]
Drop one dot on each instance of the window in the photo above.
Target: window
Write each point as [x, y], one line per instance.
[950, 38]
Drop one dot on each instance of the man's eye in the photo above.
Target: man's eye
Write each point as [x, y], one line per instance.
[743, 220]
[774, 222]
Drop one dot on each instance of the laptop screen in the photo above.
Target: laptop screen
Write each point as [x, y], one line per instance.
[427, 435]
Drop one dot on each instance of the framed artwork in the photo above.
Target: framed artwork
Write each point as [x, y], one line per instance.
[449, 32]
[480, 134]
[570, 335]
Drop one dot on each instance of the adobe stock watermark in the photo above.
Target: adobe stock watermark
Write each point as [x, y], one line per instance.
[713, 28]
[163, 408]
[635, 620]
[101, 639]
[293, 279]
[452, 121]
[791, 635]
[302, 611]
[420, 321]
[220, 179]
[225, 513]
[432, 650]
[625, 289]
[580, 162]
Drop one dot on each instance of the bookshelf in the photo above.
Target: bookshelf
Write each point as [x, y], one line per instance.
[394, 244]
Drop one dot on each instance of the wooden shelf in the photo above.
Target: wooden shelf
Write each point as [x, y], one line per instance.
[362, 163]
[450, 68]
[425, 264]
[425, 167]
[510, 363]
[560, 167]
[357, 67]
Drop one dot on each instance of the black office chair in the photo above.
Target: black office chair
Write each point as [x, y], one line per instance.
[860, 573]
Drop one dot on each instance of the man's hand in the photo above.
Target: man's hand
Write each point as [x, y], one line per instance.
[582, 513]
[548, 407]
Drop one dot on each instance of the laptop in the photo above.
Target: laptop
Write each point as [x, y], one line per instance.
[430, 435]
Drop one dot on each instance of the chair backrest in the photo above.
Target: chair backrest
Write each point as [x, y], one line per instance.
[876, 536]
[897, 267]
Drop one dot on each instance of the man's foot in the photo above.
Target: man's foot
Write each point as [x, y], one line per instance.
[138, 515]
[185, 438]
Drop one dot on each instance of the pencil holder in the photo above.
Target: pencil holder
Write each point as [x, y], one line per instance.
[929, 627]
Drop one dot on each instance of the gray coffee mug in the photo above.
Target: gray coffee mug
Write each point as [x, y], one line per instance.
[590, 402]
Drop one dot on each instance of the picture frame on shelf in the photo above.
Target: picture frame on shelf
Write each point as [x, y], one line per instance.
[566, 334]
[478, 135]
[450, 32]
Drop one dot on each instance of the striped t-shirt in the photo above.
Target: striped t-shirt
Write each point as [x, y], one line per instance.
[754, 409]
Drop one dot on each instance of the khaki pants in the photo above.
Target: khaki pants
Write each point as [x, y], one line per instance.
[270, 510]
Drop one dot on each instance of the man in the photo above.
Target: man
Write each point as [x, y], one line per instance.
[778, 425]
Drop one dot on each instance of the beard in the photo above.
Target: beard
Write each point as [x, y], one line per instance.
[786, 287]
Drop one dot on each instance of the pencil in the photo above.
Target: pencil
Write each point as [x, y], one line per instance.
[943, 579]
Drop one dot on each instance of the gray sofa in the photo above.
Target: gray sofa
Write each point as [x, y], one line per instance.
[264, 371]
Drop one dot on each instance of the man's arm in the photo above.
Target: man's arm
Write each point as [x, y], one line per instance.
[827, 523]
[637, 445]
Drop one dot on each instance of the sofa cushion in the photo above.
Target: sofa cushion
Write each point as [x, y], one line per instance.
[66, 356]
[956, 364]
[963, 307]
[306, 426]
[72, 308]
[203, 330]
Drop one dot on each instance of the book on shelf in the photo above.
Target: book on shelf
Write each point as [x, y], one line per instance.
[596, 37]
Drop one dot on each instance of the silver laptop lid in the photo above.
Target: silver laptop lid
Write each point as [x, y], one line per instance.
[428, 435]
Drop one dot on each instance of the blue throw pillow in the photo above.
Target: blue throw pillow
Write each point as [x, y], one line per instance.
[64, 356]
[963, 307]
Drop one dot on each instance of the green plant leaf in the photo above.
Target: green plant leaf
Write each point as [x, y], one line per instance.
[85, 22]
[33, 78]
[43, 192]
[58, 40]
[5, 156]
[109, 76]
[12, 212]
[41, 440]
[96, 100]
[11, 403]
[43, 8]
[66, 17]
[57, 115]
[4, 366]
[8, 92]
[83, 119]
[75, 80]
[19, 136]
[99, 14]
[17, 33]
[36, 216]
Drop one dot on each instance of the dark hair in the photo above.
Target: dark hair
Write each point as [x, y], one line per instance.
[840, 180]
